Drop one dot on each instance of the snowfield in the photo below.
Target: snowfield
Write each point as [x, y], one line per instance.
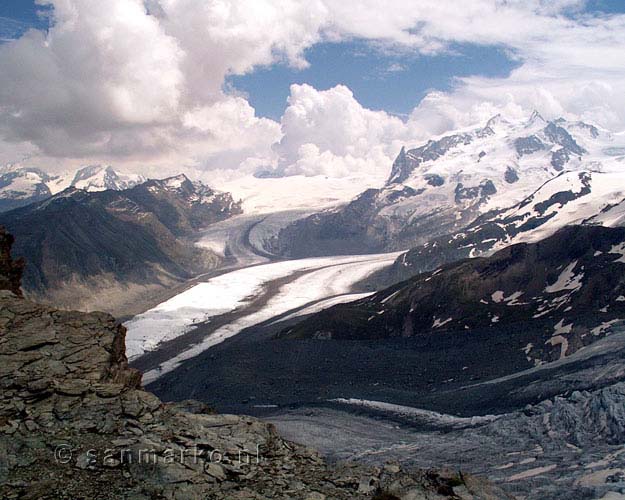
[296, 192]
[306, 282]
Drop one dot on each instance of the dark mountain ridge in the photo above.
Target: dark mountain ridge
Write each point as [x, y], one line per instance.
[562, 293]
[77, 243]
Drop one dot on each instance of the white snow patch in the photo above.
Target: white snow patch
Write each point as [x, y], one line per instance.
[438, 322]
[560, 328]
[559, 340]
[512, 300]
[604, 327]
[497, 296]
[295, 192]
[619, 249]
[175, 182]
[567, 280]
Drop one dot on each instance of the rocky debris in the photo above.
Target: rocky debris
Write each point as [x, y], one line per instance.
[74, 423]
[10, 270]
[564, 447]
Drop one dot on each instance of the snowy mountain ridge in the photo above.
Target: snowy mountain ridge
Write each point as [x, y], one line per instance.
[444, 185]
[21, 186]
[100, 178]
[497, 165]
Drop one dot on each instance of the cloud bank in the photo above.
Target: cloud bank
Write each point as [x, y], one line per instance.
[142, 83]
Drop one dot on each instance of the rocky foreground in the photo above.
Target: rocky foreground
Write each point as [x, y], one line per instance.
[75, 423]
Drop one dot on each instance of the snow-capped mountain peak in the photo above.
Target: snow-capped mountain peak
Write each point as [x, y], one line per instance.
[23, 185]
[101, 178]
[447, 182]
[535, 119]
[20, 186]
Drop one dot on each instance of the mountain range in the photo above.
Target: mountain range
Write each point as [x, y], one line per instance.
[21, 186]
[497, 173]
[102, 249]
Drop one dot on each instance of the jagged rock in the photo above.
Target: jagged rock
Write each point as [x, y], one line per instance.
[511, 175]
[10, 270]
[528, 145]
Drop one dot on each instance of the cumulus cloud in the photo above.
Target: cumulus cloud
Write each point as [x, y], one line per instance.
[142, 82]
[329, 132]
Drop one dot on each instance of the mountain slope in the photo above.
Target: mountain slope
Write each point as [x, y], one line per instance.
[77, 243]
[558, 295]
[589, 198]
[445, 184]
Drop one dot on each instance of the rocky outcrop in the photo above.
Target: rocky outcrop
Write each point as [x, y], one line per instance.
[75, 423]
[10, 270]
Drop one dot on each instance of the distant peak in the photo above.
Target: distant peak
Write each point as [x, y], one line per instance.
[178, 177]
[535, 117]
[494, 120]
[176, 181]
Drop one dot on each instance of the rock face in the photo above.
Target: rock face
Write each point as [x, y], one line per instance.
[74, 423]
[94, 250]
[10, 270]
[563, 292]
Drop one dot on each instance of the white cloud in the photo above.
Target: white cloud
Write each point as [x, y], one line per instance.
[329, 132]
[142, 83]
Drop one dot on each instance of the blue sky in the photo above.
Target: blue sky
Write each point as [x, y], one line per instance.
[394, 83]
[391, 82]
